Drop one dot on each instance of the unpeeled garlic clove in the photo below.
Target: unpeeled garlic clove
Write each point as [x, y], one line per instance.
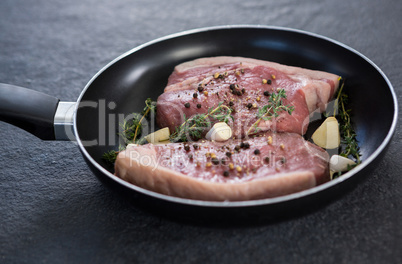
[339, 164]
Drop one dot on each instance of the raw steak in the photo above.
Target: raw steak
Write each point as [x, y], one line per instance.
[267, 165]
[245, 85]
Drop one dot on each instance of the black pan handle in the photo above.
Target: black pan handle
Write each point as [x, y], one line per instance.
[28, 109]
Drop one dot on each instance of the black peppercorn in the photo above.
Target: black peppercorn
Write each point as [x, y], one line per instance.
[257, 152]
[198, 106]
[266, 93]
[226, 173]
[215, 161]
[195, 95]
[187, 105]
[249, 105]
[187, 148]
[228, 154]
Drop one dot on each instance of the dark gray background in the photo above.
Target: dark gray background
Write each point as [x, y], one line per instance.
[54, 210]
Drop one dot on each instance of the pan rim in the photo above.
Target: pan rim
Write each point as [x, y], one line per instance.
[233, 204]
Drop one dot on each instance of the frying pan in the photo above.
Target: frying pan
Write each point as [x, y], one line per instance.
[122, 86]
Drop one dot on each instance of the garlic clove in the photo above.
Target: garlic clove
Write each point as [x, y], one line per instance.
[338, 163]
[158, 136]
[162, 142]
[327, 135]
[219, 132]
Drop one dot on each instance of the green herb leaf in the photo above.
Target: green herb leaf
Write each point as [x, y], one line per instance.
[271, 110]
[132, 130]
[194, 126]
[350, 147]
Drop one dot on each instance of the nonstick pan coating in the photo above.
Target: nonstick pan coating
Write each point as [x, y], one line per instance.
[122, 86]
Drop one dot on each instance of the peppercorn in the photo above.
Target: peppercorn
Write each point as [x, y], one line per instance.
[198, 106]
[195, 146]
[187, 148]
[200, 88]
[242, 144]
[257, 152]
[187, 105]
[243, 91]
[231, 87]
[266, 159]
[231, 166]
[237, 148]
[269, 81]
[238, 92]
[226, 173]
[246, 145]
[195, 95]
[269, 140]
[266, 93]
[231, 103]
[215, 161]
[228, 154]
[249, 105]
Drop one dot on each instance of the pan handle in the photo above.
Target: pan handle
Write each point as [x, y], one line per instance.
[36, 112]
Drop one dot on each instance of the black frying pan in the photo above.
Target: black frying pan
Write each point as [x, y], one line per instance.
[123, 85]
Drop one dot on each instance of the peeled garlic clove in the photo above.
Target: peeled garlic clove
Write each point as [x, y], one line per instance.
[219, 132]
[158, 136]
[162, 142]
[339, 163]
[327, 135]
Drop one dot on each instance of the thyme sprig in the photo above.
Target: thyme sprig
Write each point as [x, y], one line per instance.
[272, 109]
[194, 126]
[110, 156]
[348, 135]
[131, 130]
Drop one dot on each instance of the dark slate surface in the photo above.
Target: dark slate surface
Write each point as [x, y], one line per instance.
[54, 210]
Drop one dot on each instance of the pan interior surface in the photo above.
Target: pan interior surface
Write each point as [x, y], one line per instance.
[123, 85]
